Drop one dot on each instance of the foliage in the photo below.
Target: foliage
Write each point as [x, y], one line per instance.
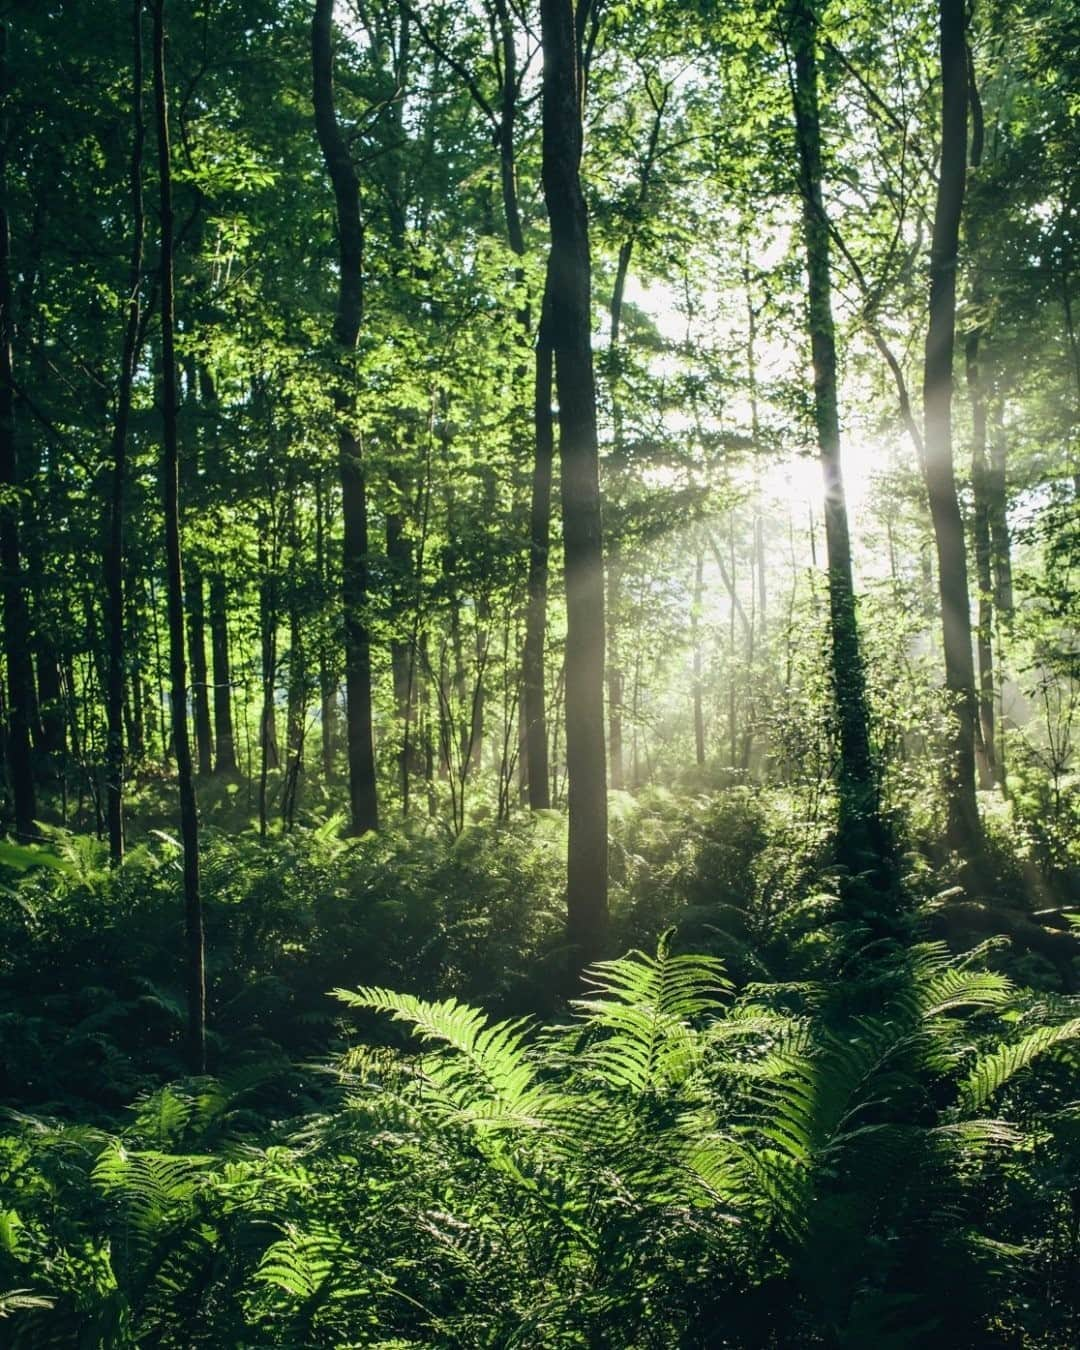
[674, 1159]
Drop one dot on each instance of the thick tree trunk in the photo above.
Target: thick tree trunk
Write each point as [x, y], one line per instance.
[963, 818]
[20, 675]
[189, 825]
[861, 835]
[363, 797]
[570, 328]
[224, 735]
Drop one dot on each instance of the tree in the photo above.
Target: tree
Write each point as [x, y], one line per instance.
[170, 472]
[569, 325]
[363, 795]
[861, 835]
[114, 533]
[963, 817]
[20, 676]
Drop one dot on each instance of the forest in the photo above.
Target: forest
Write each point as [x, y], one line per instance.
[539, 674]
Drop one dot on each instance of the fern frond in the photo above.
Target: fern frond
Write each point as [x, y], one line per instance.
[20, 1300]
[951, 989]
[645, 1003]
[487, 1078]
[300, 1263]
[992, 1071]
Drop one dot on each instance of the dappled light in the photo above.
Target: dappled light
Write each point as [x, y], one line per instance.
[539, 675]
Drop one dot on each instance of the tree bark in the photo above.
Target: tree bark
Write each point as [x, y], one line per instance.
[363, 796]
[536, 734]
[399, 556]
[984, 641]
[224, 735]
[200, 674]
[998, 508]
[964, 831]
[50, 700]
[861, 836]
[189, 825]
[327, 684]
[695, 644]
[616, 676]
[20, 675]
[570, 326]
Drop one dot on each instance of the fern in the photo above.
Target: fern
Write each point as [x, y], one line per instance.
[301, 1262]
[486, 1079]
[21, 1300]
[992, 1071]
[645, 1004]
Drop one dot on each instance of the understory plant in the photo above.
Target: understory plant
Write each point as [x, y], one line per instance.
[676, 1166]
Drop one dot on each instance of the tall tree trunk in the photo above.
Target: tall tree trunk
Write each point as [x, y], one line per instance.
[189, 824]
[297, 714]
[269, 555]
[987, 764]
[400, 560]
[224, 735]
[50, 698]
[964, 830]
[363, 797]
[139, 693]
[200, 674]
[534, 739]
[695, 643]
[20, 675]
[616, 676]
[327, 686]
[399, 552]
[536, 732]
[861, 835]
[998, 510]
[570, 327]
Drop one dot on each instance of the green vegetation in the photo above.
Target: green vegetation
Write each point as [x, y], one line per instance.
[539, 699]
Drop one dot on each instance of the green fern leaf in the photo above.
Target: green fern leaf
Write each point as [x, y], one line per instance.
[991, 1072]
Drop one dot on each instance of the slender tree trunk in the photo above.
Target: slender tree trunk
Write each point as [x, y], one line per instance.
[616, 678]
[534, 738]
[224, 735]
[268, 647]
[695, 643]
[134, 591]
[20, 675]
[189, 825]
[733, 684]
[363, 797]
[861, 835]
[50, 698]
[536, 733]
[297, 714]
[964, 830]
[400, 560]
[327, 690]
[570, 326]
[997, 508]
[200, 674]
[981, 531]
